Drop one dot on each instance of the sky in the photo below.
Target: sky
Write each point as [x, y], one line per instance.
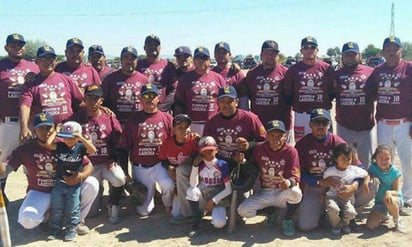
[245, 25]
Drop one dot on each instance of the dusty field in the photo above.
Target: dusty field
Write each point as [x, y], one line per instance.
[157, 231]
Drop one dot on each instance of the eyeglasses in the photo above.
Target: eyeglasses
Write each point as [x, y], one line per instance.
[149, 95]
[312, 47]
[321, 122]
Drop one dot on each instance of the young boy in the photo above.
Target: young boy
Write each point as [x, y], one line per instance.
[210, 183]
[65, 196]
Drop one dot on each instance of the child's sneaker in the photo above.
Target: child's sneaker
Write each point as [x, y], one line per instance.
[54, 234]
[194, 232]
[71, 234]
[114, 213]
[271, 220]
[287, 228]
[400, 227]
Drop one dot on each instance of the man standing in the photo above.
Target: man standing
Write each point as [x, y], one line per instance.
[308, 85]
[354, 107]
[197, 91]
[264, 86]
[184, 60]
[142, 136]
[84, 75]
[122, 87]
[49, 92]
[98, 61]
[159, 72]
[13, 70]
[391, 83]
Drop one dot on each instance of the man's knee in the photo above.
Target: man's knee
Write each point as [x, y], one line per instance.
[30, 218]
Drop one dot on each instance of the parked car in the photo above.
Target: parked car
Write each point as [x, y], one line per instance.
[375, 61]
[249, 62]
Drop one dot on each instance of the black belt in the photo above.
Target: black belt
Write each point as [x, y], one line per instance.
[145, 166]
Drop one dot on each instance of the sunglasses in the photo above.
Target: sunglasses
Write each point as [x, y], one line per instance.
[149, 95]
[312, 47]
[321, 122]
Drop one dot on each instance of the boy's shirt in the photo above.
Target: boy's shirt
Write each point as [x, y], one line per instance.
[216, 174]
[346, 177]
[70, 159]
[175, 153]
[386, 180]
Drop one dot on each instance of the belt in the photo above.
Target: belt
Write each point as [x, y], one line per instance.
[394, 121]
[11, 119]
[144, 166]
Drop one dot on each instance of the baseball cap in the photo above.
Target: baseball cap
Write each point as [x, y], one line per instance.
[74, 41]
[350, 47]
[309, 41]
[392, 40]
[270, 44]
[69, 128]
[275, 125]
[228, 91]
[222, 45]
[152, 37]
[15, 37]
[181, 117]
[149, 88]
[45, 50]
[129, 49]
[201, 51]
[207, 143]
[43, 119]
[96, 49]
[183, 50]
[319, 113]
[94, 90]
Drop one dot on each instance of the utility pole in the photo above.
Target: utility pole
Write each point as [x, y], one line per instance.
[392, 31]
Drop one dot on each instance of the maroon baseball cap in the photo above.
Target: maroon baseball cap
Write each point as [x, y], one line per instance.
[207, 143]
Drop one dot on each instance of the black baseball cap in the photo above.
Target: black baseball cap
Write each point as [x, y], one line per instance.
[201, 51]
[15, 38]
[94, 90]
[181, 117]
[309, 40]
[183, 50]
[128, 49]
[271, 45]
[149, 88]
[222, 45]
[74, 41]
[96, 49]
[152, 37]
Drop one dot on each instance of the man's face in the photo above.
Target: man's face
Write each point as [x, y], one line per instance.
[46, 63]
[93, 102]
[392, 54]
[74, 55]
[97, 60]
[182, 131]
[149, 101]
[351, 59]
[129, 63]
[319, 127]
[309, 52]
[276, 139]
[201, 63]
[183, 60]
[43, 132]
[222, 56]
[227, 106]
[269, 58]
[15, 50]
[152, 49]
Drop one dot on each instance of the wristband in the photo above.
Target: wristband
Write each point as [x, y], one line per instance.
[291, 182]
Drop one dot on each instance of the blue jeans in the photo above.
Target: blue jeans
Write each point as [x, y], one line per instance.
[65, 205]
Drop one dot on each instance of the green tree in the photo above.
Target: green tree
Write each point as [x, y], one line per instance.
[370, 51]
[31, 48]
[407, 50]
[333, 52]
[298, 56]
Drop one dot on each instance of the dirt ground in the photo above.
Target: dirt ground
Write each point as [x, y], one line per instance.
[157, 231]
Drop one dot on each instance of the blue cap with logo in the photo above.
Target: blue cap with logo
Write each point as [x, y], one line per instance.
[222, 45]
[275, 125]
[309, 40]
[319, 113]
[96, 49]
[45, 50]
[183, 50]
[392, 40]
[15, 38]
[201, 51]
[228, 91]
[129, 49]
[43, 119]
[350, 47]
[149, 88]
[69, 129]
[74, 41]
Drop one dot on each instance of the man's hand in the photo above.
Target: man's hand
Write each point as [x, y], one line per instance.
[346, 191]
[242, 144]
[25, 135]
[285, 183]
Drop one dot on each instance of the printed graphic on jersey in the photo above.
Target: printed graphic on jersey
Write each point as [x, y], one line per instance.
[310, 90]
[352, 90]
[267, 90]
[226, 140]
[128, 100]
[97, 134]
[203, 99]
[388, 89]
[320, 161]
[271, 172]
[53, 98]
[46, 165]
[16, 80]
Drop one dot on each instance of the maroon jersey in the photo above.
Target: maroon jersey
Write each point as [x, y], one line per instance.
[231, 76]
[121, 93]
[354, 107]
[11, 83]
[316, 155]
[274, 164]
[161, 73]
[103, 130]
[176, 153]
[55, 95]
[105, 72]
[393, 90]
[143, 134]
[265, 89]
[309, 86]
[226, 130]
[84, 75]
[40, 164]
[198, 94]
[180, 72]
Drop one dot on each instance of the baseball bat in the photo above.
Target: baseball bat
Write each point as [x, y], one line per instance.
[4, 223]
[233, 206]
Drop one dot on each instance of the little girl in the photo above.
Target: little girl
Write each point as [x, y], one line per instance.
[389, 196]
